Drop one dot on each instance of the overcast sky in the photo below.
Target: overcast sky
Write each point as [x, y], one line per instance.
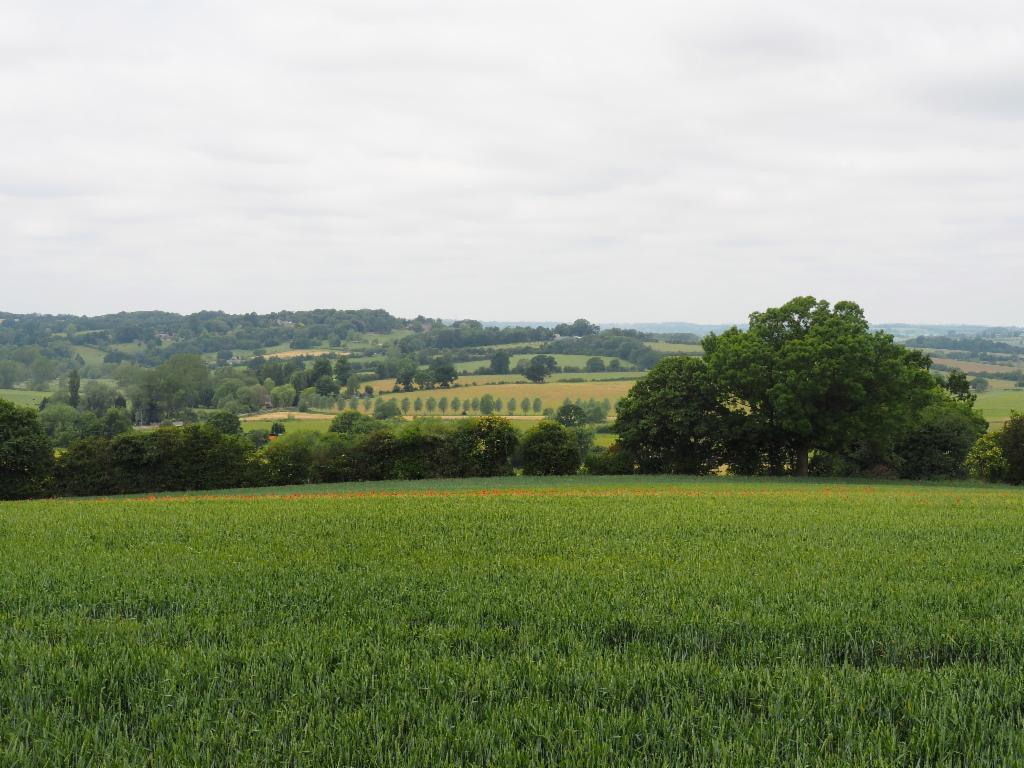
[631, 161]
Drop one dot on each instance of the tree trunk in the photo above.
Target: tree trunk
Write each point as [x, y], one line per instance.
[801, 461]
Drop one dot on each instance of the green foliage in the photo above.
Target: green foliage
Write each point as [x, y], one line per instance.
[985, 461]
[959, 386]
[813, 377]
[225, 423]
[485, 446]
[26, 457]
[570, 415]
[539, 368]
[63, 424]
[938, 443]
[194, 457]
[352, 423]
[673, 419]
[388, 409]
[283, 396]
[550, 449]
[1011, 440]
[74, 385]
[443, 372]
[580, 327]
[500, 362]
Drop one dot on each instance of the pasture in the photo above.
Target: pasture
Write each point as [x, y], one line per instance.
[517, 622]
[29, 397]
[997, 404]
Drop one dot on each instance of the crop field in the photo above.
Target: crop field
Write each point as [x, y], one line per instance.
[513, 622]
[969, 366]
[551, 393]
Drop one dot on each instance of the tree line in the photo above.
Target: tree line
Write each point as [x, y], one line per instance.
[216, 454]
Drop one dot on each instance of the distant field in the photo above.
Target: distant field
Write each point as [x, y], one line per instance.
[23, 396]
[574, 361]
[287, 353]
[676, 349]
[552, 393]
[473, 380]
[971, 367]
[997, 404]
[295, 425]
[288, 415]
[91, 355]
[517, 621]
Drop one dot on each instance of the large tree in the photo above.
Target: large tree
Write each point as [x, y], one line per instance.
[673, 420]
[814, 377]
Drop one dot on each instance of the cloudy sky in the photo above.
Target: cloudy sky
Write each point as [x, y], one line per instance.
[640, 161]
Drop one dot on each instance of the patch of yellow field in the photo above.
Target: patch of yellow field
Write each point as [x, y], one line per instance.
[286, 415]
[552, 393]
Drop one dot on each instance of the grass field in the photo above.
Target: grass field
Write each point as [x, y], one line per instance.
[675, 349]
[997, 404]
[517, 622]
[23, 396]
[91, 355]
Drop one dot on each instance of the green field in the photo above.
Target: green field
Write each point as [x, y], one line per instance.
[23, 396]
[997, 404]
[515, 622]
[290, 425]
[676, 349]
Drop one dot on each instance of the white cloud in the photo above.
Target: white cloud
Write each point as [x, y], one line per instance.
[642, 161]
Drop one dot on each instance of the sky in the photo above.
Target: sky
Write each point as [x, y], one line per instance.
[638, 162]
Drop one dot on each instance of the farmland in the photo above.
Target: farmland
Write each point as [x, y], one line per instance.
[552, 393]
[23, 396]
[568, 621]
[997, 404]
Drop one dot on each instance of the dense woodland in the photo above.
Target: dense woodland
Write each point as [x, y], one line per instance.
[806, 388]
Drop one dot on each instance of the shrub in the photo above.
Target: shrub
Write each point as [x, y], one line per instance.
[550, 449]
[1011, 440]
[484, 446]
[985, 461]
[608, 461]
[26, 458]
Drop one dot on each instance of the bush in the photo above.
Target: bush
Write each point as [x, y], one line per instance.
[196, 457]
[608, 461]
[550, 449]
[225, 423]
[1011, 440]
[352, 424]
[484, 447]
[940, 440]
[26, 457]
[985, 461]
